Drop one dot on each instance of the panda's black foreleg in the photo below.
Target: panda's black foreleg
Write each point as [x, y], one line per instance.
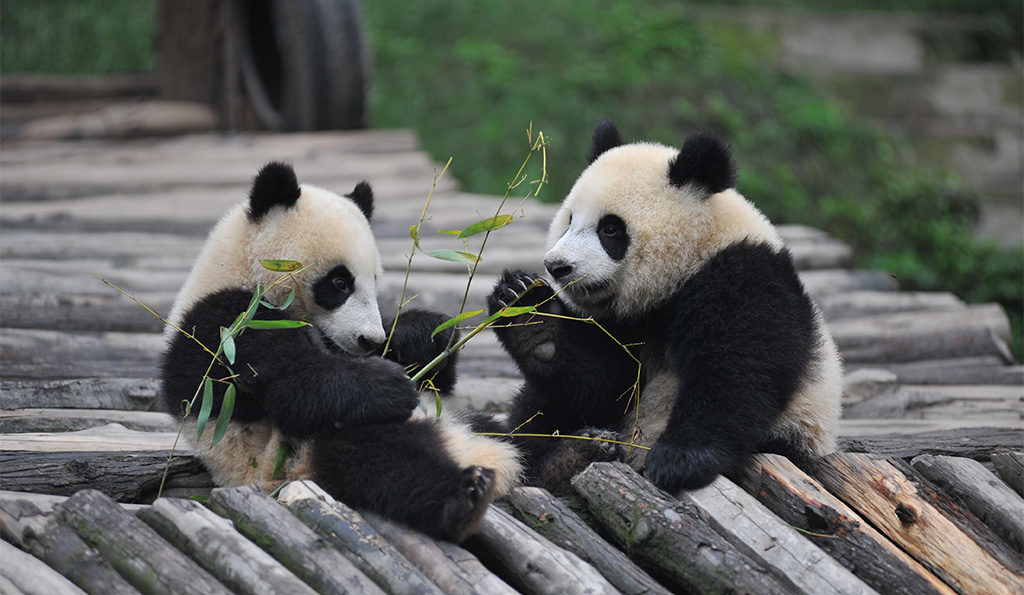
[413, 347]
[403, 473]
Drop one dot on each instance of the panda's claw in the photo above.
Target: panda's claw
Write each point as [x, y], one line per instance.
[511, 292]
[523, 286]
[502, 304]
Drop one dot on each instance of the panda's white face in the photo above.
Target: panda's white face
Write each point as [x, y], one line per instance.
[626, 237]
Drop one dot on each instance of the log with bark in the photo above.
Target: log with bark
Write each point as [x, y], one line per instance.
[214, 543]
[128, 394]
[946, 539]
[991, 500]
[973, 443]
[138, 553]
[670, 537]
[550, 517]
[530, 561]
[1010, 466]
[804, 504]
[349, 533]
[269, 524]
[21, 573]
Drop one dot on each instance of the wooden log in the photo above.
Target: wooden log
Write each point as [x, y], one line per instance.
[854, 304]
[269, 524]
[1010, 467]
[89, 313]
[550, 517]
[943, 402]
[973, 443]
[450, 567]
[749, 526]
[530, 561]
[141, 556]
[859, 428]
[57, 544]
[822, 518]
[35, 420]
[989, 369]
[129, 394]
[824, 253]
[214, 543]
[949, 541]
[975, 331]
[659, 531]
[21, 573]
[991, 500]
[350, 534]
[829, 281]
[43, 354]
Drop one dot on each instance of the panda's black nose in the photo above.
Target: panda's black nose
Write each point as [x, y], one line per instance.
[369, 345]
[558, 268]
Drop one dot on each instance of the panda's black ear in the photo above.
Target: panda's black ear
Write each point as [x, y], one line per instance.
[274, 186]
[362, 195]
[606, 136]
[704, 161]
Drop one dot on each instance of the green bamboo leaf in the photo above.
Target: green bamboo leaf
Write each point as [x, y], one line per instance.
[454, 256]
[282, 454]
[276, 324]
[227, 407]
[284, 306]
[281, 266]
[453, 321]
[450, 232]
[227, 344]
[508, 312]
[206, 408]
[491, 223]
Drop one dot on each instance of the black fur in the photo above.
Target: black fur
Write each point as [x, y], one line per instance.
[606, 136]
[739, 334]
[334, 288]
[704, 161]
[614, 237]
[274, 186]
[362, 195]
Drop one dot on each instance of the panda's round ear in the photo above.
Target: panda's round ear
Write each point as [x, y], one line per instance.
[705, 161]
[274, 186]
[362, 195]
[606, 136]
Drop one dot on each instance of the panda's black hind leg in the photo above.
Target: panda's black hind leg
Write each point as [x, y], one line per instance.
[463, 511]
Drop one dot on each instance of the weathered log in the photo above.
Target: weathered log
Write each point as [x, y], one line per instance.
[71, 420]
[46, 354]
[452, 568]
[748, 525]
[973, 443]
[1010, 467]
[269, 524]
[975, 331]
[659, 532]
[214, 543]
[21, 573]
[853, 304]
[947, 540]
[550, 517]
[349, 533]
[801, 502]
[943, 402]
[141, 556]
[130, 394]
[530, 561]
[991, 500]
[990, 369]
[850, 429]
[829, 281]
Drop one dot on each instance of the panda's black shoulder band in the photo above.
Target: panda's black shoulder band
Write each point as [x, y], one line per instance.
[704, 161]
[274, 186]
[606, 136]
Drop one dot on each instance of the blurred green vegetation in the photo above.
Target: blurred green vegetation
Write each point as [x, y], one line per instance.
[76, 36]
[469, 76]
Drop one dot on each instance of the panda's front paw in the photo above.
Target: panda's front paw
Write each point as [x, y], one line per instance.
[674, 468]
[388, 397]
[528, 338]
[519, 288]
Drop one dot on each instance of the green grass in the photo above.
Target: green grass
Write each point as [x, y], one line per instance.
[76, 36]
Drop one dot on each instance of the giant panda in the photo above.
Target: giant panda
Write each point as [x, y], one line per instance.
[323, 390]
[656, 245]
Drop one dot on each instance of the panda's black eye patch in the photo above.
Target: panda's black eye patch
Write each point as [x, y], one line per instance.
[334, 288]
[611, 230]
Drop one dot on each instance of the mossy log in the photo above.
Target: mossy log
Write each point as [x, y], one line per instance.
[138, 553]
[946, 539]
[530, 561]
[272, 527]
[350, 534]
[452, 568]
[804, 504]
[20, 573]
[748, 525]
[550, 517]
[670, 537]
[991, 500]
[214, 543]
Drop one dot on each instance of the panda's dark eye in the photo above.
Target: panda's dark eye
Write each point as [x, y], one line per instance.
[340, 283]
[611, 229]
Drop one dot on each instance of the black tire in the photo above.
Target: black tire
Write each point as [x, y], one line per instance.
[304, 63]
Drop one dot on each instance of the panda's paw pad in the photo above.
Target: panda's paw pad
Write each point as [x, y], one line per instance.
[478, 484]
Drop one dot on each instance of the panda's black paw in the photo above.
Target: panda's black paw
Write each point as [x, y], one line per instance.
[413, 347]
[605, 444]
[527, 337]
[570, 456]
[388, 396]
[463, 511]
[674, 468]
